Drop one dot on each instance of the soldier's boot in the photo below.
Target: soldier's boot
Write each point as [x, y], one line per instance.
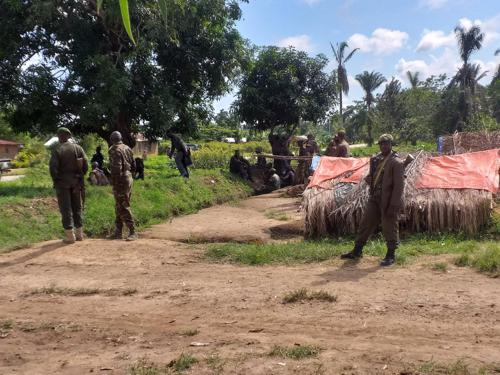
[79, 234]
[116, 235]
[355, 253]
[70, 236]
[390, 257]
[132, 236]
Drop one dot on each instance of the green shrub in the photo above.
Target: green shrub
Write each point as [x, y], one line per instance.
[33, 153]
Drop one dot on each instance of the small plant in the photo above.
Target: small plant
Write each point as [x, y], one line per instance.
[295, 352]
[463, 260]
[441, 267]
[143, 367]
[5, 327]
[276, 215]
[184, 362]
[304, 295]
[190, 332]
[215, 363]
[79, 292]
[457, 368]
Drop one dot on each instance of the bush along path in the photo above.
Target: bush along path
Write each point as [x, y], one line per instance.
[29, 212]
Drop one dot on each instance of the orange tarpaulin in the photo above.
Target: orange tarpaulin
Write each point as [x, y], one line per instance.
[330, 168]
[474, 170]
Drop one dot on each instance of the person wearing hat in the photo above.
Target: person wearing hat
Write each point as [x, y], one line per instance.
[338, 146]
[386, 181]
[122, 165]
[68, 164]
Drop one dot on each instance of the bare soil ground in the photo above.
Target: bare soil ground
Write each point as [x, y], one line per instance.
[107, 304]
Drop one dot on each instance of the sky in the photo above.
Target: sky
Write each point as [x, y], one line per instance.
[393, 36]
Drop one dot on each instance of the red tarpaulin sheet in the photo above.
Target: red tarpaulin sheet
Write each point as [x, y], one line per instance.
[474, 170]
[330, 168]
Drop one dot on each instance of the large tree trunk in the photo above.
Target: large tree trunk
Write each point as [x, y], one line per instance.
[340, 110]
[124, 127]
[369, 124]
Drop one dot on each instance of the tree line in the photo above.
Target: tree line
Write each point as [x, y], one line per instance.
[160, 65]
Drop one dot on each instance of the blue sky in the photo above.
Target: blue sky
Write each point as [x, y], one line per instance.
[393, 36]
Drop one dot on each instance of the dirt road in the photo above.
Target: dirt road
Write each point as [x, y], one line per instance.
[99, 306]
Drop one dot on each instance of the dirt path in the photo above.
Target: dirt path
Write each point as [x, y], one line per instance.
[144, 299]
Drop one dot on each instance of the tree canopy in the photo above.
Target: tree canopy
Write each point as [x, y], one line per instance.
[65, 64]
[283, 87]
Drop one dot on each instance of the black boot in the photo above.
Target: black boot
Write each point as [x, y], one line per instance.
[390, 258]
[355, 253]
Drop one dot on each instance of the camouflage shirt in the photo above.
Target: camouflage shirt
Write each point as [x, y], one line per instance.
[121, 160]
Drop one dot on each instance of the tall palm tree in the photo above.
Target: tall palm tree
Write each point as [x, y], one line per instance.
[370, 81]
[413, 78]
[468, 41]
[343, 82]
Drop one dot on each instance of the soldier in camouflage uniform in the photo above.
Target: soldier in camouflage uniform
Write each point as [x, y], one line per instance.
[386, 180]
[122, 165]
[68, 164]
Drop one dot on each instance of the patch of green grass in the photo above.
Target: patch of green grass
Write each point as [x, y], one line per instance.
[310, 251]
[144, 367]
[456, 368]
[6, 326]
[79, 292]
[305, 295]
[190, 332]
[184, 362]
[276, 215]
[29, 212]
[215, 363]
[440, 267]
[295, 352]
[486, 260]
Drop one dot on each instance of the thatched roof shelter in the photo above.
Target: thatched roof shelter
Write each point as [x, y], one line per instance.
[336, 207]
[460, 143]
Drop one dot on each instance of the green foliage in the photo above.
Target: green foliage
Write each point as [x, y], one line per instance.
[283, 86]
[32, 154]
[29, 213]
[184, 362]
[100, 81]
[485, 260]
[295, 352]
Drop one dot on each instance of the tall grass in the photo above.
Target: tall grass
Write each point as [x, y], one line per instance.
[29, 213]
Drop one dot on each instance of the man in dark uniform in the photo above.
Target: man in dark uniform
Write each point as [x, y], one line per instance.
[122, 165]
[139, 169]
[98, 157]
[182, 154]
[240, 166]
[68, 164]
[386, 180]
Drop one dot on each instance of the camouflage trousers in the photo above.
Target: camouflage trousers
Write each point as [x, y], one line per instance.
[372, 218]
[122, 190]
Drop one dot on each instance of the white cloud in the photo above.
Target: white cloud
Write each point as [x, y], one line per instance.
[381, 42]
[434, 39]
[300, 42]
[490, 27]
[433, 4]
[448, 63]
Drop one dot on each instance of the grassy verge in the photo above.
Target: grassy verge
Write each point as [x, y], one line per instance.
[29, 213]
[483, 254]
[295, 352]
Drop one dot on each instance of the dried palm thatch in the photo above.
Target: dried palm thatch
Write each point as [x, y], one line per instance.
[338, 209]
[460, 143]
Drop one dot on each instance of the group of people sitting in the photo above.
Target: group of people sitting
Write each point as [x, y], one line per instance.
[282, 174]
[100, 175]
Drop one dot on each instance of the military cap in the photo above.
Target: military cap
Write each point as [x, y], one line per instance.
[386, 138]
[63, 131]
[341, 131]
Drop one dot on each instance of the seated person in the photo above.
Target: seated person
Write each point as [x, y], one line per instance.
[331, 149]
[288, 177]
[139, 169]
[97, 176]
[273, 183]
[239, 166]
[261, 160]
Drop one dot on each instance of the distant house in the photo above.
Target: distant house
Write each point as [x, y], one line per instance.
[143, 144]
[9, 149]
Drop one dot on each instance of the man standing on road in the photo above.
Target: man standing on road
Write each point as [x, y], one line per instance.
[386, 180]
[122, 165]
[68, 164]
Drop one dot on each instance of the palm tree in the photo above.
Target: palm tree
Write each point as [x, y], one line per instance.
[413, 78]
[343, 82]
[370, 82]
[497, 52]
[468, 41]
